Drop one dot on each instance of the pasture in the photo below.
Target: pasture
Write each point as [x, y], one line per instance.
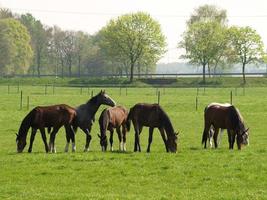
[191, 173]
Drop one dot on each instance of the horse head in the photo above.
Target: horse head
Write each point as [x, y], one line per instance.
[103, 142]
[21, 143]
[103, 98]
[243, 138]
[172, 142]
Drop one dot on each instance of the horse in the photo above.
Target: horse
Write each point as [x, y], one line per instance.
[225, 116]
[86, 115]
[42, 117]
[110, 118]
[152, 116]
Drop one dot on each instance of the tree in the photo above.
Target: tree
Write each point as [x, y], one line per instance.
[208, 13]
[5, 13]
[15, 49]
[131, 37]
[212, 14]
[247, 46]
[201, 42]
[39, 40]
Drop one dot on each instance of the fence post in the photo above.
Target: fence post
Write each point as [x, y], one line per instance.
[21, 100]
[235, 91]
[196, 103]
[28, 102]
[92, 93]
[158, 97]
[197, 90]
[231, 97]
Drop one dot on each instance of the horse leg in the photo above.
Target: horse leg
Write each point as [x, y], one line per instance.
[42, 130]
[32, 139]
[118, 130]
[136, 129]
[230, 140]
[88, 139]
[161, 130]
[52, 140]
[137, 146]
[150, 138]
[205, 135]
[67, 139]
[111, 139]
[124, 130]
[71, 134]
[215, 136]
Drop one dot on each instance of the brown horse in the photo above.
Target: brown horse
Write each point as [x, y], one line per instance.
[86, 115]
[152, 116]
[110, 118]
[225, 116]
[41, 117]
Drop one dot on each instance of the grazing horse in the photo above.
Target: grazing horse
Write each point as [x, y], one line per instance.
[86, 115]
[41, 117]
[225, 116]
[152, 116]
[110, 118]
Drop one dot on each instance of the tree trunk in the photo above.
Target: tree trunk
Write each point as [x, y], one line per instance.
[38, 64]
[79, 65]
[204, 71]
[209, 69]
[243, 72]
[131, 73]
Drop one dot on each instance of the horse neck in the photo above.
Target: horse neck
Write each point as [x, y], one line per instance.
[167, 125]
[93, 107]
[25, 125]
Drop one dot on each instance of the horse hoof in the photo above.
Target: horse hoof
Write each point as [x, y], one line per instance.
[86, 150]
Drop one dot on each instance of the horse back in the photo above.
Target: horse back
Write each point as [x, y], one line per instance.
[150, 115]
[52, 116]
[219, 116]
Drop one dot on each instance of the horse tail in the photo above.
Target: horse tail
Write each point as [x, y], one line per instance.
[128, 120]
[205, 133]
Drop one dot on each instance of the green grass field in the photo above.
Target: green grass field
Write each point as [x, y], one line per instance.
[191, 173]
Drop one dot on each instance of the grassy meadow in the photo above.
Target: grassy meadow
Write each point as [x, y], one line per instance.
[191, 173]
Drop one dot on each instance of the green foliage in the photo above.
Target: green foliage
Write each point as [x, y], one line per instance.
[133, 38]
[208, 13]
[247, 46]
[15, 49]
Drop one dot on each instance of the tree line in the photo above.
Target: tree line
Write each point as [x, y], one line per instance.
[132, 43]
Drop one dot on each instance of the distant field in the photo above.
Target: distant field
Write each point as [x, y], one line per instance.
[191, 173]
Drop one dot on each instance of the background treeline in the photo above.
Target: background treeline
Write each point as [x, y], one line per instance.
[130, 44]
[29, 47]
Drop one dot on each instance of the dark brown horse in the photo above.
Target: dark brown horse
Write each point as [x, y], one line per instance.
[110, 118]
[225, 116]
[152, 116]
[86, 115]
[41, 117]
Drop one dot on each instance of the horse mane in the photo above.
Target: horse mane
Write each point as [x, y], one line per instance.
[236, 118]
[26, 123]
[93, 100]
[167, 122]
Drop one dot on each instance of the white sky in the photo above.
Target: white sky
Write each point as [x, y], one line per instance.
[91, 15]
